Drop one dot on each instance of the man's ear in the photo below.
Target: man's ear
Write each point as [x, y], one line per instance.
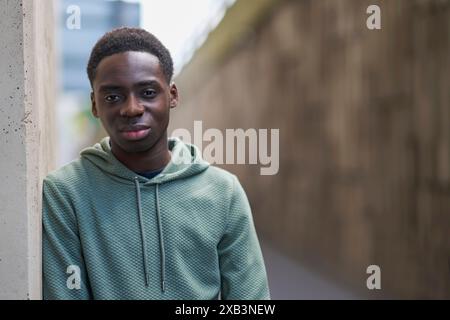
[94, 106]
[174, 97]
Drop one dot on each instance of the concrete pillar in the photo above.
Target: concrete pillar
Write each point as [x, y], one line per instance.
[26, 132]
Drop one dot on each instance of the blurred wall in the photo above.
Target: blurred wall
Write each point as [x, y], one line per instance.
[364, 119]
[27, 139]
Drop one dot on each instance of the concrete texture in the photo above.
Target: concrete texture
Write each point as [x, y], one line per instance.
[364, 119]
[26, 101]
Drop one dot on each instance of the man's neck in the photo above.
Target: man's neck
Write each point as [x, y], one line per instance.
[155, 158]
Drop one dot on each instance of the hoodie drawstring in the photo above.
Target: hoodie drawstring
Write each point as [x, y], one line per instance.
[143, 238]
[161, 242]
[141, 226]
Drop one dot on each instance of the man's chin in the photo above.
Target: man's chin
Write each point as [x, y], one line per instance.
[136, 146]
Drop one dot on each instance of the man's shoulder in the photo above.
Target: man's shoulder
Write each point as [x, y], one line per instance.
[68, 174]
[219, 176]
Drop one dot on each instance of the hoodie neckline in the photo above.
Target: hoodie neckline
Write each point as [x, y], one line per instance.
[186, 161]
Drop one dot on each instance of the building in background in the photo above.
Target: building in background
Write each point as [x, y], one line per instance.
[96, 18]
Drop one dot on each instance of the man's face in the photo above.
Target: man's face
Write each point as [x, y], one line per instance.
[132, 99]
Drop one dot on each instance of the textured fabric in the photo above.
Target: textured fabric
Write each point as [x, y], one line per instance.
[191, 231]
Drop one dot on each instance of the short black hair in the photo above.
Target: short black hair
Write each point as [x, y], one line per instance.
[129, 39]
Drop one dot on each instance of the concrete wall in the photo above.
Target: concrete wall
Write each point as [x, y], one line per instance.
[26, 132]
[364, 119]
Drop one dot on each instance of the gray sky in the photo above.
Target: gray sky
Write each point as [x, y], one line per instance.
[182, 25]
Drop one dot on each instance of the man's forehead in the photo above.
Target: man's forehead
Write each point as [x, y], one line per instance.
[129, 66]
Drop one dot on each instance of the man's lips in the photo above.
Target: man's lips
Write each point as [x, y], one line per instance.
[136, 132]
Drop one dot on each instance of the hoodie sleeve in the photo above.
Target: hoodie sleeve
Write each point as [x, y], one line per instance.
[64, 271]
[243, 274]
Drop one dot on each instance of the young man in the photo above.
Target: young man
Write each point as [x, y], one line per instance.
[139, 215]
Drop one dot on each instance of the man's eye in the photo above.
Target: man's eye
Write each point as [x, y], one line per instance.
[149, 93]
[112, 98]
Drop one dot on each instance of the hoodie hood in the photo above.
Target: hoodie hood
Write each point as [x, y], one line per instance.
[186, 161]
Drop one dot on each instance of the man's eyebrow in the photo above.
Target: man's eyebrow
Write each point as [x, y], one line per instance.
[147, 83]
[144, 83]
[109, 87]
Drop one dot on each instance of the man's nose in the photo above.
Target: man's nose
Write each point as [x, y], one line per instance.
[132, 107]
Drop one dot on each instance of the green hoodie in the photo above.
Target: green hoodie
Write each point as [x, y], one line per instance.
[187, 233]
